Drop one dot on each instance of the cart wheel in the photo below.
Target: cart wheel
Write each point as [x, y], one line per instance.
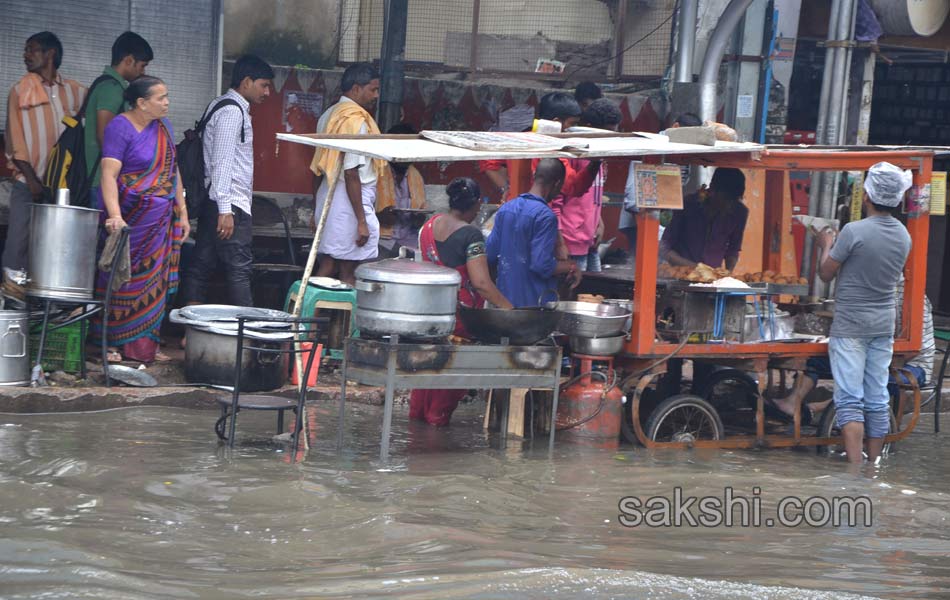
[684, 418]
[648, 403]
[731, 392]
[828, 428]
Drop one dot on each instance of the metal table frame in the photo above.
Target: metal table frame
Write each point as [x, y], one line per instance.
[397, 373]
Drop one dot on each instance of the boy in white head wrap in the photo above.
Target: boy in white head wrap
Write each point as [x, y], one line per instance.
[867, 258]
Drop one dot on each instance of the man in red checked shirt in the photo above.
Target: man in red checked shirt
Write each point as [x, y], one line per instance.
[554, 106]
[578, 207]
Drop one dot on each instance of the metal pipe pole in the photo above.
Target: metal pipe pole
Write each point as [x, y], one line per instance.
[473, 54]
[841, 78]
[817, 177]
[686, 42]
[826, 81]
[715, 49]
[392, 60]
[620, 39]
[839, 94]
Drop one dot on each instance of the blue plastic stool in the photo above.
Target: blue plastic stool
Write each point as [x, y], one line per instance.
[335, 302]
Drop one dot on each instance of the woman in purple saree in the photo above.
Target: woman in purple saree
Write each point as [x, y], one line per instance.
[140, 190]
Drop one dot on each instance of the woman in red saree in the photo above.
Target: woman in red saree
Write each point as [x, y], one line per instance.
[140, 190]
[450, 240]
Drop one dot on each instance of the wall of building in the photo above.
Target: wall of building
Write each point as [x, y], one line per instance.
[647, 29]
[429, 104]
[283, 31]
[435, 25]
[183, 36]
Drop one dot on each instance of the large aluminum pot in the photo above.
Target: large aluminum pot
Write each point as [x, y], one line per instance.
[412, 299]
[14, 347]
[63, 252]
[211, 349]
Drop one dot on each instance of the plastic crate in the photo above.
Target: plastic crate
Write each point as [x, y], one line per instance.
[62, 350]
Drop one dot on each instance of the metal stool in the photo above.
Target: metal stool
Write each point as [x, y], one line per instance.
[339, 304]
[301, 331]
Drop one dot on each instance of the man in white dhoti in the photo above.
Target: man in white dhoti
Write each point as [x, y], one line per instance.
[351, 233]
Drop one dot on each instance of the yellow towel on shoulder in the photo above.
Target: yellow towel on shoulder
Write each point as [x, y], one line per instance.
[347, 119]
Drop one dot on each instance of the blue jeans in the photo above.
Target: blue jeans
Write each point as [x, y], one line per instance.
[820, 368]
[589, 262]
[860, 369]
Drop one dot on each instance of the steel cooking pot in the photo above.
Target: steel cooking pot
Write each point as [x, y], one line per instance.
[63, 251]
[211, 350]
[405, 297]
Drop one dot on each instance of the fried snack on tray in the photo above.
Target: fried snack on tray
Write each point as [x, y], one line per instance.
[772, 277]
[706, 273]
[702, 273]
[590, 298]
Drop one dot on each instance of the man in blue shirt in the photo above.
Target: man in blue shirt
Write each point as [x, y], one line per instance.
[522, 243]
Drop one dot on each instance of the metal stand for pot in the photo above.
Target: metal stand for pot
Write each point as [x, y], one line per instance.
[399, 365]
[37, 377]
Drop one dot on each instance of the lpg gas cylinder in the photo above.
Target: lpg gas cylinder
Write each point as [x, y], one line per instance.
[590, 409]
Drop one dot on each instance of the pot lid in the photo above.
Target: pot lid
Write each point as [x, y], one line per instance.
[275, 336]
[64, 207]
[223, 314]
[224, 317]
[396, 270]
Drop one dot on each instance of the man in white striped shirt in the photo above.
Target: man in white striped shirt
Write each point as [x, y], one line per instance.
[224, 222]
[35, 109]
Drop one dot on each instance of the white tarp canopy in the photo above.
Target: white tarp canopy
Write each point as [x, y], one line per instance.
[410, 148]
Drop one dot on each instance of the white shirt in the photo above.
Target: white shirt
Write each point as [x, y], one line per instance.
[350, 161]
[229, 164]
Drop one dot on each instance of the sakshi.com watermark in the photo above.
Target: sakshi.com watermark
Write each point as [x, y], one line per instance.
[737, 510]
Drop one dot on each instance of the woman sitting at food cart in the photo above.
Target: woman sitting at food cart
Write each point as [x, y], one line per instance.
[140, 191]
[450, 240]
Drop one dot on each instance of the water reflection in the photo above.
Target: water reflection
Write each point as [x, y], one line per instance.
[145, 503]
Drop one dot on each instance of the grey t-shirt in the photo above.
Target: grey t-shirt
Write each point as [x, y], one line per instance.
[872, 253]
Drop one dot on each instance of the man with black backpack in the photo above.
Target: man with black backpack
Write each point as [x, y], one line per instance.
[130, 55]
[223, 203]
[35, 110]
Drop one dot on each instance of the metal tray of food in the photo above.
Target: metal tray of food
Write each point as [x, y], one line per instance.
[708, 289]
[790, 289]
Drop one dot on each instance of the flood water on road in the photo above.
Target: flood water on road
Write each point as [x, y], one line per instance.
[144, 503]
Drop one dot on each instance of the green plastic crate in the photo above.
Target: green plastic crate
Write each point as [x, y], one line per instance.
[62, 350]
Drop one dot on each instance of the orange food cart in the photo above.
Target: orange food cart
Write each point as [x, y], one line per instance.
[646, 355]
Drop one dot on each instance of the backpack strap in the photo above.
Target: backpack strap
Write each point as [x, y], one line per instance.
[85, 101]
[200, 125]
[81, 117]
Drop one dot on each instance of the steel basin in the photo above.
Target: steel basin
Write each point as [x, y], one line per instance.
[607, 346]
[589, 320]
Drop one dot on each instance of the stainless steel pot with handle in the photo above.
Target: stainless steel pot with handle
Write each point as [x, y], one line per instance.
[14, 347]
[412, 299]
[63, 252]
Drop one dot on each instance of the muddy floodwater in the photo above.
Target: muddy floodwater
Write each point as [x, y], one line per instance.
[144, 503]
